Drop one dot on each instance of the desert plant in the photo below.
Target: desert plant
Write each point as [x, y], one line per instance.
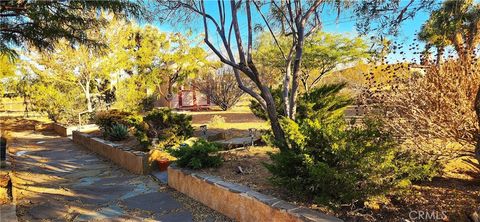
[216, 121]
[429, 110]
[334, 163]
[330, 161]
[117, 132]
[107, 119]
[200, 154]
[221, 87]
[318, 101]
[148, 103]
[168, 127]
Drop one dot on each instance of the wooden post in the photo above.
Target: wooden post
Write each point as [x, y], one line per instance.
[194, 95]
[180, 98]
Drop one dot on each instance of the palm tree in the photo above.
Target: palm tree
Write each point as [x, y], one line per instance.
[456, 23]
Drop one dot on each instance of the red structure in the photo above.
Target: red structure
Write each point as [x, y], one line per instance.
[191, 99]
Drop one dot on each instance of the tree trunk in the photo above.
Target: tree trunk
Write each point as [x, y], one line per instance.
[277, 130]
[477, 111]
[440, 51]
[88, 96]
[25, 103]
[169, 96]
[286, 84]
[297, 63]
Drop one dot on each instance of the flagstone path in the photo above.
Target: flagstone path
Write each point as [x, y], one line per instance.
[57, 180]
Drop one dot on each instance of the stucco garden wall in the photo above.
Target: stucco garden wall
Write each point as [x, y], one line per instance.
[237, 201]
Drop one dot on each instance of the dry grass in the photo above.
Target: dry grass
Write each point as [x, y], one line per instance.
[238, 126]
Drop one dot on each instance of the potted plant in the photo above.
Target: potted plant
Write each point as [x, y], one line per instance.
[163, 163]
[163, 159]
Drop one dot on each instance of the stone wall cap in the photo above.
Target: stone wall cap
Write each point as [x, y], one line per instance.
[303, 213]
[313, 216]
[266, 199]
[284, 205]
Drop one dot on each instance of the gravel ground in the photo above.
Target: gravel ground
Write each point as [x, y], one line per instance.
[200, 212]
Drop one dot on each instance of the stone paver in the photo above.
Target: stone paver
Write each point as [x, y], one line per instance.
[56, 180]
[8, 212]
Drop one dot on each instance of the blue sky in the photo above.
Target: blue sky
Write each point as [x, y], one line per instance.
[344, 24]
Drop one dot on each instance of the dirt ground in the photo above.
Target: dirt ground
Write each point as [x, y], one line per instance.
[203, 118]
[456, 195]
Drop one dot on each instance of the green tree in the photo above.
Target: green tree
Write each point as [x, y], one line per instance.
[456, 23]
[180, 61]
[43, 23]
[8, 67]
[61, 100]
[7, 70]
[323, 52]
[162, 59]
[75, 64]
[292, 19]
[130, 94]
[50, 100]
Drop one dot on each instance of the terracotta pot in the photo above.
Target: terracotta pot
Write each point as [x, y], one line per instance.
[163, 164]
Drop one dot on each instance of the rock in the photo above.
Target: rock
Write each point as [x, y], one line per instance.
[240, 170]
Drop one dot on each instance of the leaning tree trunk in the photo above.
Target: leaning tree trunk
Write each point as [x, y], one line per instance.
[272, 113]
[477, 111]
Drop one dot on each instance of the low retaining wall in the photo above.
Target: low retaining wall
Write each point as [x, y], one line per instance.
[134, 161]
[67, 130]
[237, 201]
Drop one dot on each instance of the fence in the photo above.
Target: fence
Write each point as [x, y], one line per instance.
[17, 109]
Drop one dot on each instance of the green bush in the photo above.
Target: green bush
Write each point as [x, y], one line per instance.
[148, 103]
[107, 119]
[117, 132]
[323, 100]
[329, 161]
[59, 104]
[200, 154]
[332, 163]
[141, 135]
[168, 127]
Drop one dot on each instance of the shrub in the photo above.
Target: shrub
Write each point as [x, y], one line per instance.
[331, 163]
[107, 119]
[216, 121]
[60, 106]
[168, 127]
[117, 132]
[148, 103]
[430, 110]
[258, 111]
[325, 100]
[197, 156]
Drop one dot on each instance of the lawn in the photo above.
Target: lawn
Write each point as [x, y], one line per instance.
[238, 117]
